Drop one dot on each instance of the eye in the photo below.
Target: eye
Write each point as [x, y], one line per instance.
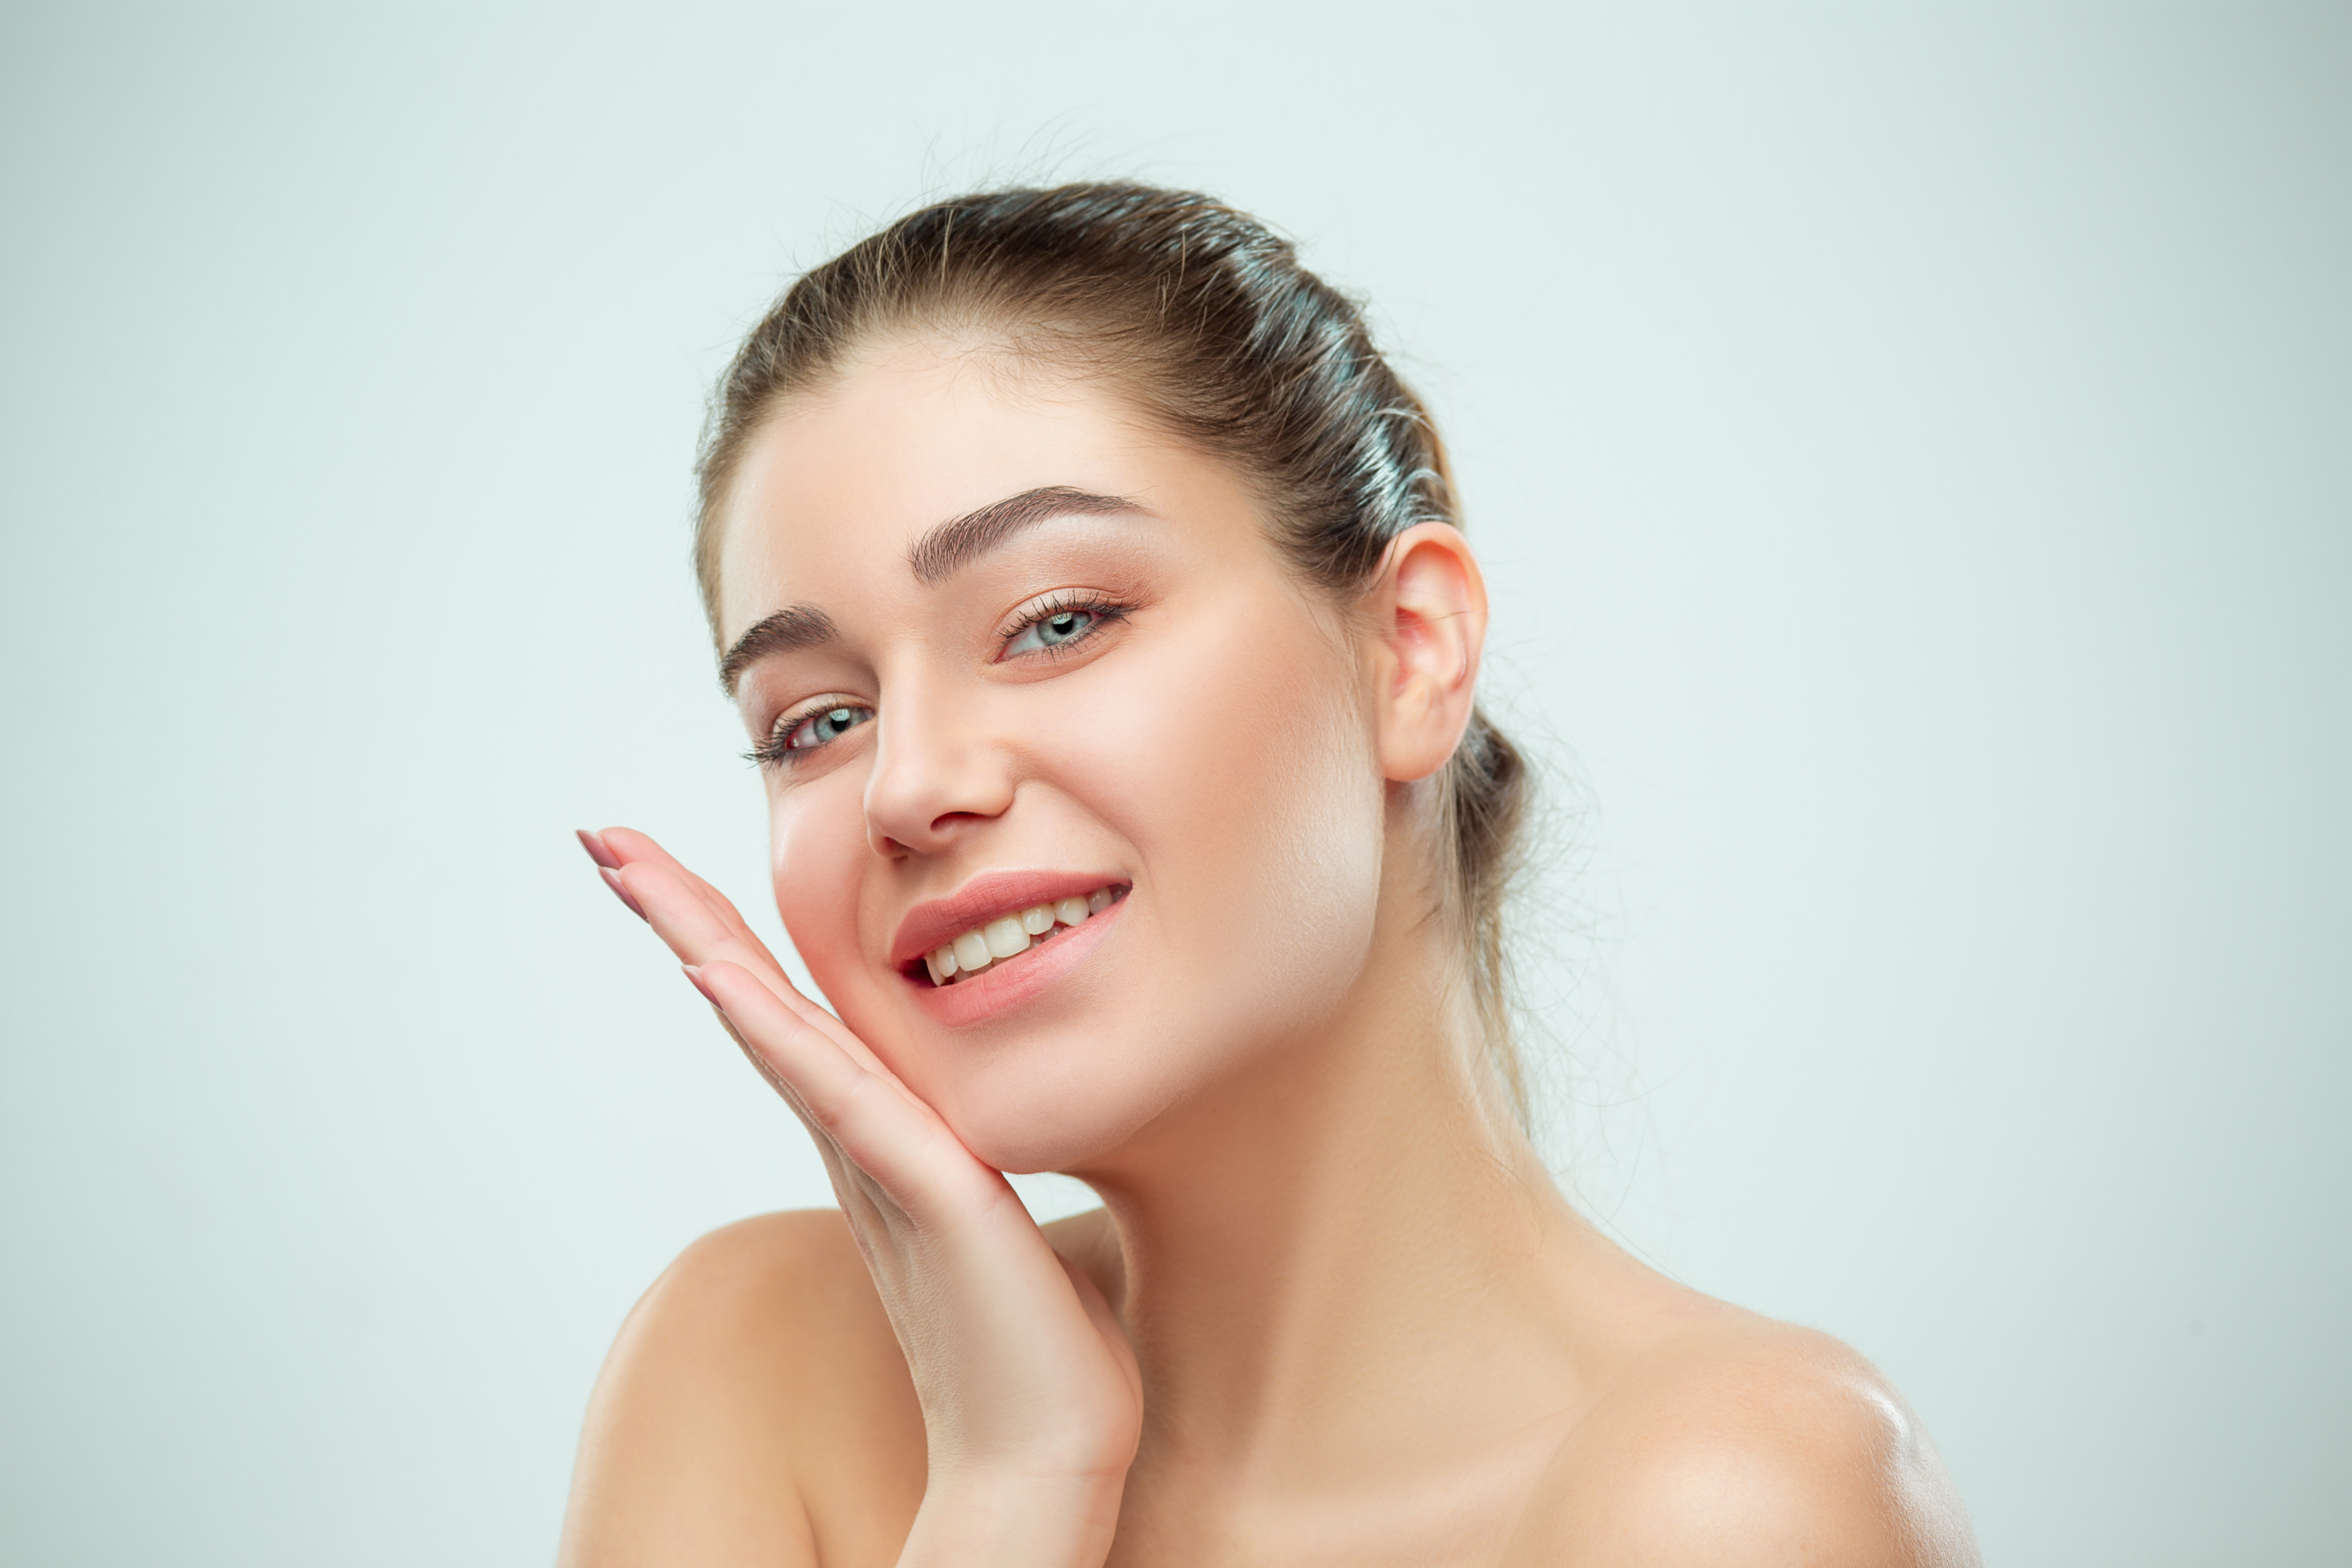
[1055, 626]
[815, 728]
[824, 726]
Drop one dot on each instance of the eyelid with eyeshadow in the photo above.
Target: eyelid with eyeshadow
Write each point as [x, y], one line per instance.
[1105, 610]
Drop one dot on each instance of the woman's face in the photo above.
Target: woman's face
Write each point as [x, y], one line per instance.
[1008, 646]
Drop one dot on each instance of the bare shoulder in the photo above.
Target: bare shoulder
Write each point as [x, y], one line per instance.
[756, 1376]
[1743, 1441]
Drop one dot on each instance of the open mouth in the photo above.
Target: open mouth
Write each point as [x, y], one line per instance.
[994, 943]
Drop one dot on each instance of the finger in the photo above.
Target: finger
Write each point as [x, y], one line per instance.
[694, 930]
[694, 909]
[878, 1124]
[698, 936]
[626, 847]
[700, 924]
[861, 1201]
[871, 1215]
[617, 850]
[761, 1065]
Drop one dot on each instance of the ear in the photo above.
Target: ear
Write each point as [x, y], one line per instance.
[1430, 615]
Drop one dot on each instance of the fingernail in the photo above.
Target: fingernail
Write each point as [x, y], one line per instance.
[694, 977]
[594, 844]
[612, 880]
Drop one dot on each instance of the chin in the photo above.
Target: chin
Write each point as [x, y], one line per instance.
[1071, 1098]
[1035, 1108]
[1067, 1079]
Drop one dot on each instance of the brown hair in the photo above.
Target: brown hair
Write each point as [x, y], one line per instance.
[1205, 316]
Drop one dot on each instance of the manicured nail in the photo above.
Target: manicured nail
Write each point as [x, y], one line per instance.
[612, 880]
[594, 844]
[694, 977]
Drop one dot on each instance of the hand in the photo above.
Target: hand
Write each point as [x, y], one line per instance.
[1032, 1404]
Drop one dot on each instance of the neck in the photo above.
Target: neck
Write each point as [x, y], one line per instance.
[1347, 1254]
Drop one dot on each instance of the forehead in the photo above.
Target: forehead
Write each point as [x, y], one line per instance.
[839, 483]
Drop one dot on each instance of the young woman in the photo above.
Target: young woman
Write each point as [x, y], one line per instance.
[1092, 595]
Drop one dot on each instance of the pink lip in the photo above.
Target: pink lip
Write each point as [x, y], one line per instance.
[938, 922]
[1015, 980]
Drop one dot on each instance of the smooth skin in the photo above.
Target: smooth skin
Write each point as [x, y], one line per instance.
[1333, 1309]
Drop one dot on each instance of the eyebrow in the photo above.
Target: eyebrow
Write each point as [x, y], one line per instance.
[937, 556]
[956, 544]
[794, 627]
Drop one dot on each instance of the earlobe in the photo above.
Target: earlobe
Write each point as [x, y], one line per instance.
[1433, 605]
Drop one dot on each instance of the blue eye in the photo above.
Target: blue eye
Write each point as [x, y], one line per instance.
[1059, 629]
[821, 728]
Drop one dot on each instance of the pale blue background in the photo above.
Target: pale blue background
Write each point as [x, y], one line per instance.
[1910, 444]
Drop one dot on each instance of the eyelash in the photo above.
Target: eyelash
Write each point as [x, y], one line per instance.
[1067, 601]
[775, 752]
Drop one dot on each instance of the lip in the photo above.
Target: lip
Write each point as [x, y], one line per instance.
[987, 897]
[1012, 982]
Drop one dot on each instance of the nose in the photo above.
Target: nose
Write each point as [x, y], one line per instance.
[936, 774]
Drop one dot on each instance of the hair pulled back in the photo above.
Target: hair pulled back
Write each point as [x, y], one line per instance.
[1204, 317]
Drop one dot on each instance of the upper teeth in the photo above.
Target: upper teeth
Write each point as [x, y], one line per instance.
[983, 945]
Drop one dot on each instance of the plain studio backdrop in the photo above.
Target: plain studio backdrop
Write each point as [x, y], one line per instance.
[1909, 447]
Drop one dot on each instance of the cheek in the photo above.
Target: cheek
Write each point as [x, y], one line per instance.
[1235, 769]
[816, 862]
[1248, 784]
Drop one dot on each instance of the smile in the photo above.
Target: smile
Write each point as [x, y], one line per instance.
[994, 942]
